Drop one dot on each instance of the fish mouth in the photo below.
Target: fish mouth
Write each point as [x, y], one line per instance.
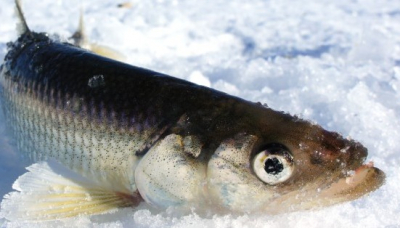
[357, 183]
[364, 179]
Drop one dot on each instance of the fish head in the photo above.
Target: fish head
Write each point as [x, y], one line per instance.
[288, 165]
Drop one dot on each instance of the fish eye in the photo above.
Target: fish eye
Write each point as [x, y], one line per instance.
[274, 164]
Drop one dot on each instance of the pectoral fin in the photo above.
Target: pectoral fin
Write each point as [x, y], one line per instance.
[50, 191]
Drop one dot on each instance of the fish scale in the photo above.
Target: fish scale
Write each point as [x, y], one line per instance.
[61, 137]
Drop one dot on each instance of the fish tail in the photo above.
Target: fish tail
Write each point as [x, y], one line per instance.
[50, 191]
[22, 26]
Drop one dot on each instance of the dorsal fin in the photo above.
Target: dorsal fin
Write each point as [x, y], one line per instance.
[23, 26]
[79, 37]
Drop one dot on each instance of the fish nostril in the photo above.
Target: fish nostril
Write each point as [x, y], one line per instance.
[335, 149]
[358, 153]
[324, 156]
[333, 141]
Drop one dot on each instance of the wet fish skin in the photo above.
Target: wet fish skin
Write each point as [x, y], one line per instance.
[101, 117]
[60, 74]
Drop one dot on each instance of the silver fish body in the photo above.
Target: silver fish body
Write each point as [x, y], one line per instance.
[148, 136]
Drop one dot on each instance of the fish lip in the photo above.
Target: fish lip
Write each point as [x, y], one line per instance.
[355, 159]
[363, 180]
[364, 168]
[358, 182]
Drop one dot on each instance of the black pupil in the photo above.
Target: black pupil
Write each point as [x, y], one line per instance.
[273, 166]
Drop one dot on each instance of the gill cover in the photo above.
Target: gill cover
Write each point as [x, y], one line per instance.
[169, 175]
[231, 181]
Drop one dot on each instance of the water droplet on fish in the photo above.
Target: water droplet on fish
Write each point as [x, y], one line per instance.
[96, 81]
[351, 173]
[88, 197]
[344, 150]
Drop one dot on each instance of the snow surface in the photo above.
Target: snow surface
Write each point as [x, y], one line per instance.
[336, 63]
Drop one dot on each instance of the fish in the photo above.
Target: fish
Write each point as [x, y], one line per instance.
[103, 134]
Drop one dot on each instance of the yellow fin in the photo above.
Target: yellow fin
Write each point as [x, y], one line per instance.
[106, 52]
[50, 191]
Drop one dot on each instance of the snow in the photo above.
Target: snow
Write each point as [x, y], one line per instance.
[336, 63]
